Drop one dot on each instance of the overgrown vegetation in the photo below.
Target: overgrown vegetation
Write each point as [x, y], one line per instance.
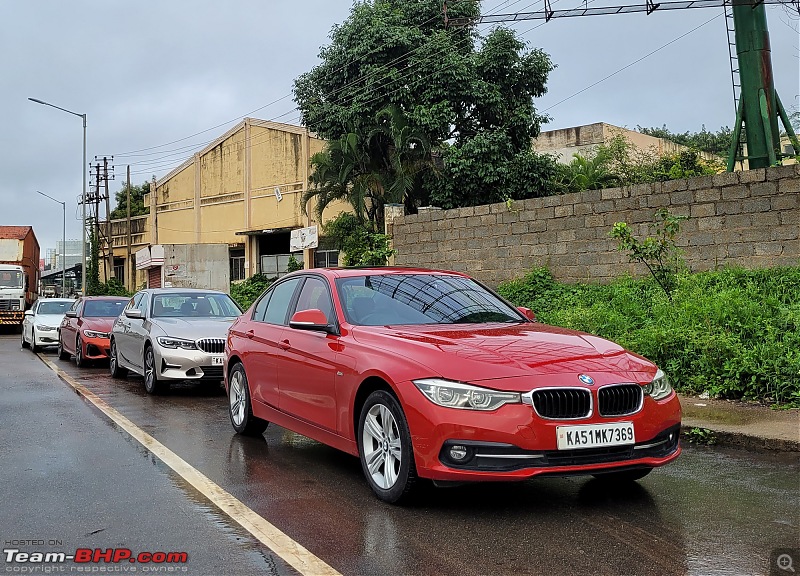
[620, 163]
[733, 333]
[712, 142]
[246, 292]
[361, 245]
[698, 435]
[658, 253]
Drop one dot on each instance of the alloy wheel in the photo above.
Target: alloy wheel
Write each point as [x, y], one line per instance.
[238, 398]
[383, 452]
[149, 370]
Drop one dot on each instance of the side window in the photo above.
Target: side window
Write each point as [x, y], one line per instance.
[315, 294]
[133, 301]
[142, 304]
[261, 307]
[76, 306]
[278, 304]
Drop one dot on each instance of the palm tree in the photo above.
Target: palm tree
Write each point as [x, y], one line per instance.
[369, 171]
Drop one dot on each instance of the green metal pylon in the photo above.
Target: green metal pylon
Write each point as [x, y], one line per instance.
[759, 105]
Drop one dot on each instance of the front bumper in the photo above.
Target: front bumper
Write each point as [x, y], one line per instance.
[178, 364]
[45, 337]
[513, 442]
[96, 348]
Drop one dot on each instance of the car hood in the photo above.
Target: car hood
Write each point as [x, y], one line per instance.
[524, 355]
[194, 328]
[53, 320]
[98, 324]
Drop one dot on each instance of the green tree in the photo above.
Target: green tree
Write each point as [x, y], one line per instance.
[712, 142]
[137, 201]
[437, 97]
[360, 244]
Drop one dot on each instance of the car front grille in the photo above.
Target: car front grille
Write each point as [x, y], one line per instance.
[212, 345]
[619, 399]
[562, 403]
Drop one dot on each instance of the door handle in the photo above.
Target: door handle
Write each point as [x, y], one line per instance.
[250, 334]
[284, 344]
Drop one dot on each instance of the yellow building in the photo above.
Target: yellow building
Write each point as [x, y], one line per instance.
[244, 189]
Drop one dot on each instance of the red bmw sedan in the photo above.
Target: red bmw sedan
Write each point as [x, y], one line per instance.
[84, 331]
[429, 374]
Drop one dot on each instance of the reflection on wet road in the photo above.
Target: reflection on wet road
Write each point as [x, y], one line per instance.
[713, 511]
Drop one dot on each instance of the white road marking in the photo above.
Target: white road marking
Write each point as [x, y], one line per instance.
[282, 545]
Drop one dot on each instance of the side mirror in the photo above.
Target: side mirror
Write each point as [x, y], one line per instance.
[71, 314]
[134, 313]
[313, 319]
[29, 313]
[527, 312]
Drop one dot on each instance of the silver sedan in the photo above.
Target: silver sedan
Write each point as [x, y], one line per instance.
[171, 334]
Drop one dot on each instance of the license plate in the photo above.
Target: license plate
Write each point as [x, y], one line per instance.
[594, 435]
[217, 360]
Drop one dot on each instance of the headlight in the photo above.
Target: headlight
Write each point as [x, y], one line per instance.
[168, 342]
[43, 328]
[659, 388]
[458, 395]
[93, 334]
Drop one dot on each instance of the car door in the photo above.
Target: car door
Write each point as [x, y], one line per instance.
[122, 333]
[27, 323]
[69, 327]
[264, 331]
[139, 331]
[307, 360]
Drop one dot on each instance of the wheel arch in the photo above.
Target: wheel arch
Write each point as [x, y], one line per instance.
[367, 387]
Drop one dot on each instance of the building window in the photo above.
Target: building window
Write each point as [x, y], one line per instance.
[274, 265]
[119, 269]
[237, 264]
[326, 258]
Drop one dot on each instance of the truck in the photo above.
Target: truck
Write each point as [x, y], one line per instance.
[19, 272]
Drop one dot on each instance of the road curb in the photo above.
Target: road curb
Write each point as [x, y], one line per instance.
[744, 441]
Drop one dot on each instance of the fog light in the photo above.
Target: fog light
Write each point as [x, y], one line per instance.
[458, 452]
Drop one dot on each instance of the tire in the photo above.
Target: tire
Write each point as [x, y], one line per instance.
[152, 384]
[34, 347]
[113, 363]
[240, 409]
[24, 342]
[625, 476]
[62, 355]
[385, 449]
[80, 361]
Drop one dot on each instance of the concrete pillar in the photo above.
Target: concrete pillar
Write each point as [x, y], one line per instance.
[390, 212]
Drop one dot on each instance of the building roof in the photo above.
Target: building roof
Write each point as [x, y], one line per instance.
[14, 232]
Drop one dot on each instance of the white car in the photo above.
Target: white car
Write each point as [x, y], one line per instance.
[41, 322]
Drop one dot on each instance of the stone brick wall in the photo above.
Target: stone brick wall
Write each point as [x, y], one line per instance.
[749, 219]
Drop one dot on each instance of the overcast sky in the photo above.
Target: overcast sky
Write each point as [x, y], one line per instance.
[151, 72]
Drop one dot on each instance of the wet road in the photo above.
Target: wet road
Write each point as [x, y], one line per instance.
[712, 512]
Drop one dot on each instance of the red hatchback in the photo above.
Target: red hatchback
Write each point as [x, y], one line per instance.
[86, 326]
[429, 374]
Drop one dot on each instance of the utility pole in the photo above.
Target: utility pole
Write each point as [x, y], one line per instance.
[131, 268]
[97, 222]
[108, 235]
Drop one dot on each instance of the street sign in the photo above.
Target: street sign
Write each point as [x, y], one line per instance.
[303, 239]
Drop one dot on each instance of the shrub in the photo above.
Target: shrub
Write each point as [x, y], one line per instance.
[246, 292]
[733, 333]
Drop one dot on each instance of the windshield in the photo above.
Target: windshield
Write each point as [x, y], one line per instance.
[104, 308]
[10, 279]
[54, 307]
[194, 305]
[420, 299]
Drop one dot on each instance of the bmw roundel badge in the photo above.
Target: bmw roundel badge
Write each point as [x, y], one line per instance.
[588, 380]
